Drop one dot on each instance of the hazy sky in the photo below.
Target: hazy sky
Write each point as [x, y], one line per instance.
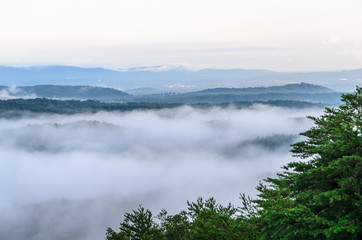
[299, 35]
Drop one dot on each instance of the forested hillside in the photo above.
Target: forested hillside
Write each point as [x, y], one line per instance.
[289, 92]
[14, 107]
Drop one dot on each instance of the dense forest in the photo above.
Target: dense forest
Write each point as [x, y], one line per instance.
[14, 107]
[318, 197]
[294, 92]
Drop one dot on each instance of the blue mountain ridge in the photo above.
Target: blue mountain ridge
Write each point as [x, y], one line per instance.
[174, 80]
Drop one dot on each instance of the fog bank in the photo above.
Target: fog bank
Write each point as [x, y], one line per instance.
[70, 177]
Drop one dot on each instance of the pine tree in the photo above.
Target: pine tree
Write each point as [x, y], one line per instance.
[319, 198]
[138, 225]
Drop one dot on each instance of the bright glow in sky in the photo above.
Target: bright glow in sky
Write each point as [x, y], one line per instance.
[284, 35]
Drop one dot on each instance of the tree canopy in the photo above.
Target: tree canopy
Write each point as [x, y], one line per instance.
[319, 198]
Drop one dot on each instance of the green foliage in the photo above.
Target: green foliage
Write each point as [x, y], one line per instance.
[138, 225]
[320, 198]
[213, 221]
[175, 226]
[204, 220]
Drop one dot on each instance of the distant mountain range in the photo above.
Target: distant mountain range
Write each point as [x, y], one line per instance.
[288, 88]
[62, 92]
[294, 92]
[140, 80]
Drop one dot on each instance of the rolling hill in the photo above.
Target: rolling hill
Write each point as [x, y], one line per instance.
[290, 92]
[175, 80]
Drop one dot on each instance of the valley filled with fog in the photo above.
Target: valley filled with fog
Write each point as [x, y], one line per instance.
[72, 176]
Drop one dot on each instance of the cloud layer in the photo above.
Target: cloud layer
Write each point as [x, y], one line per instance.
[78, 174]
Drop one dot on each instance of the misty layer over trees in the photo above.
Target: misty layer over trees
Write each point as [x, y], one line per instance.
[316, 198]
[72, 176]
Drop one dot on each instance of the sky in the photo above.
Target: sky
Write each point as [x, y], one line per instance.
[281, 35]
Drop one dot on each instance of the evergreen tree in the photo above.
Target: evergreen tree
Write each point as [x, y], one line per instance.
[176, 226]
[213, 221]
[138, 225]
[319, 198]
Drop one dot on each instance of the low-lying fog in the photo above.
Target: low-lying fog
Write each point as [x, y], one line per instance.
[70, 177]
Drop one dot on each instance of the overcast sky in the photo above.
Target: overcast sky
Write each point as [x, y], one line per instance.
[284, 35]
